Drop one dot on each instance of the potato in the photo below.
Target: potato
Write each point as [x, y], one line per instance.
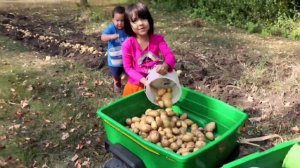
[195, 149]
[194, 127]
[167, 102]
[167, 95]
[164, 116]
[159, 122]
[143, 134]
[183, 116]
[161, 91]
[210, 136]
[169, 135]
[167, 130]
[185, 153]
[154, 136]
[128, 121]
[174, 146]
[210, 127]
[188, 122]
[165, 142]
[160, 103]
[166, 123]
[153, 113]
[161, 132]
[154, 125]
[200, 144]
[190, 145]
[175, 131]
[135, 119]
[174, 119]
[183, 124]
[187, 137]
[170, 113]
[147, 111]
[149, 119]
[145, 127]
[182, 130]
[179, 142]
[178, 123]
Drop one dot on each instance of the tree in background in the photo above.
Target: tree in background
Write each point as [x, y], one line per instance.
[84, 3]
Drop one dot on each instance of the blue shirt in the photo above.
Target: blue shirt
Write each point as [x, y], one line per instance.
[114, 56]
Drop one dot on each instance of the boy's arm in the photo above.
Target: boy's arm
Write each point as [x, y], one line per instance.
[109, 37]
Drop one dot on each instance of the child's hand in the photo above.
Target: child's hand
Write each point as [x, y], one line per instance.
[162, 69]
[144, 81]
[115, 36]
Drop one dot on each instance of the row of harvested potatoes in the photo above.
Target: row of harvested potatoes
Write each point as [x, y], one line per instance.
[172, 131]
[78, 47]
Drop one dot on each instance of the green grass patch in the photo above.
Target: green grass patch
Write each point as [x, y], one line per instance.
[56, 106]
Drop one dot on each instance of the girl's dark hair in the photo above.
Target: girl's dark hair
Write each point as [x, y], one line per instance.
[118, 9]
[139, 10]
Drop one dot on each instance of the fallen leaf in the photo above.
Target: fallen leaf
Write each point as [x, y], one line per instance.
[80, 145]
[74, 158]
[63, 126]
[19, 114]
[295, 129]
[250, 99]
[65, 136]
[72, 130]
[88, 94]
[29, 88]
[3, 137]
[45, 166]
[87, 163]
[16, 126]
[3, 163]
[78, 164]
[24, 103]
[98, 83]
[47, 121]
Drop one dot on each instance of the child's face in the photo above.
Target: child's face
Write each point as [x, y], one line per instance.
[140, 26]
[118, 20]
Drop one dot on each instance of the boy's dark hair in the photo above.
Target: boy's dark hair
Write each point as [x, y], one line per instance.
[140, 10]
[118, 9]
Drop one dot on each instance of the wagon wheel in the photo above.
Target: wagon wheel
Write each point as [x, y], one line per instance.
[114, 163]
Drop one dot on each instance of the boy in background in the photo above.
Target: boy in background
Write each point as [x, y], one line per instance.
[115, 35]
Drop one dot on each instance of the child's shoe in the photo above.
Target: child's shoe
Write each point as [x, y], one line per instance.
[117, 89]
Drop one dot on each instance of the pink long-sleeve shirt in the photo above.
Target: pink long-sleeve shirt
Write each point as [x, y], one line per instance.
[137, 62]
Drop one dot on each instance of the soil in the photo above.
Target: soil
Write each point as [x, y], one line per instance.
[211, 79]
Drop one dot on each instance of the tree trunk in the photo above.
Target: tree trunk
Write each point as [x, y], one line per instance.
[84, 3]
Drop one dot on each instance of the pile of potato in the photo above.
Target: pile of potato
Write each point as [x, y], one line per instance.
[164, 97]
[172, 131]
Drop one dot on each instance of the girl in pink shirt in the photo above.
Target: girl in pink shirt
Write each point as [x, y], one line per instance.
[141, 51]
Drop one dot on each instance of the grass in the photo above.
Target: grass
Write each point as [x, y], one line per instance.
[55, 99]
